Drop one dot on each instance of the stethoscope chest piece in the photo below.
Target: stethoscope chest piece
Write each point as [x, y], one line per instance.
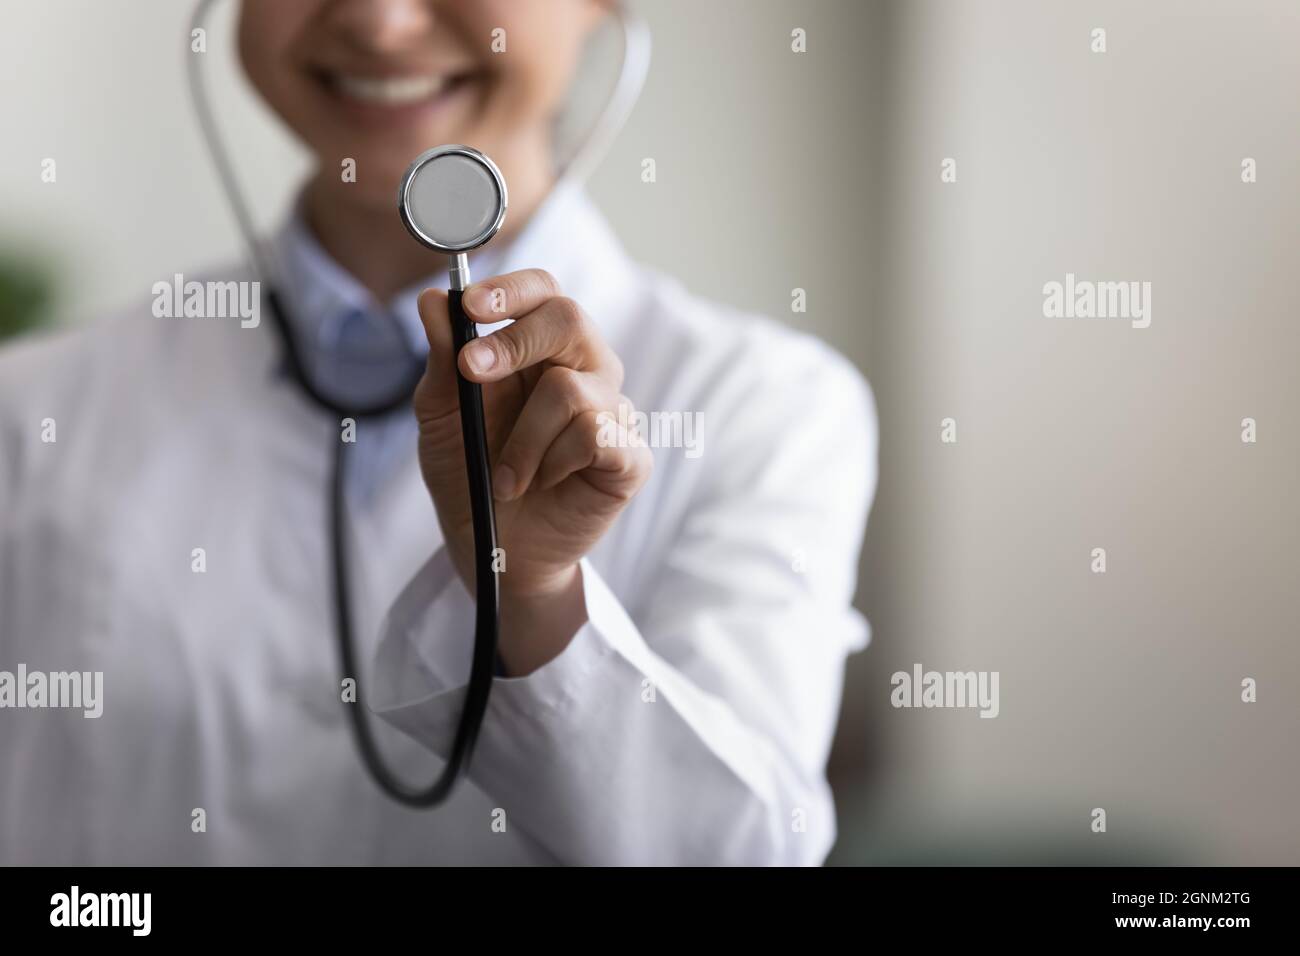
[452, 199]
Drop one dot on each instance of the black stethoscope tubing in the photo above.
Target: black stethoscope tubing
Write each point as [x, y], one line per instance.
[484, 666]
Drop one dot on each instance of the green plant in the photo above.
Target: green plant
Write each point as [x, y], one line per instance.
[25, 296]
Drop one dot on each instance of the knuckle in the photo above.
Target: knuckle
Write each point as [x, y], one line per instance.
[638, 460]
[595, 425]
[645, 465]
[625, 413]
[508, 350]
[546, 282]
[566, 385]
[571, 316]
[616, 370]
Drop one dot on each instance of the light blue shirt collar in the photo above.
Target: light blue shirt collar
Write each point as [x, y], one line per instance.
[321, 292]
[352, 346]
[324, 298]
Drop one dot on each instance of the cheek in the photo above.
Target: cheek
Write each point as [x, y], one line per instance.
[544, 41]
[257, 42]
[265, 45]
[534, 81]
[252, 55]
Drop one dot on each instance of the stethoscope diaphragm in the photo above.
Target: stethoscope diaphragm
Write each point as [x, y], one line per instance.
[452, 199]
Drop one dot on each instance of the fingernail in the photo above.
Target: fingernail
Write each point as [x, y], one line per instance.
[503, 483]
[480, 358]
[478, 299]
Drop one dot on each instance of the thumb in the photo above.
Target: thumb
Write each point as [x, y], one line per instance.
[437, 395]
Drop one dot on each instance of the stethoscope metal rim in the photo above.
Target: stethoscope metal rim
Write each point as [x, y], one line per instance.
[408, 180]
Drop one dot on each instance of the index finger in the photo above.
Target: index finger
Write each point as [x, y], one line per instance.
[509, 296]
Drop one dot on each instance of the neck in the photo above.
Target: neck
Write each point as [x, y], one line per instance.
[370, 242]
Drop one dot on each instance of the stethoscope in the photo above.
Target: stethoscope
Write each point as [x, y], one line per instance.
[453, 200]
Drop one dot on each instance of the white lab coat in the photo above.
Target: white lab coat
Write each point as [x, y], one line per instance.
[687, 722]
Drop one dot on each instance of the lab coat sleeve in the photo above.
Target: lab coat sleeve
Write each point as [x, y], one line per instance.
[694, 729]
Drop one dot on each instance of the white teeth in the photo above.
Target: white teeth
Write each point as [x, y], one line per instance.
[397, 90]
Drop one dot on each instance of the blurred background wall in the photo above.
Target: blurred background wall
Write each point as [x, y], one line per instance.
[822, 171]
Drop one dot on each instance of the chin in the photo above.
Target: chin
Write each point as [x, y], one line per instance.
[375, 186]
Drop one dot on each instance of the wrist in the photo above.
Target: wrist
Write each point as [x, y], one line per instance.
[539, 621]
[539, 589]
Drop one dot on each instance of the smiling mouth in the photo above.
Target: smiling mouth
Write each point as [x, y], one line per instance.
[392, 92]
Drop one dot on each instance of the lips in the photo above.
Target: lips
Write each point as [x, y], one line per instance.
[391, 97]
[388, 91]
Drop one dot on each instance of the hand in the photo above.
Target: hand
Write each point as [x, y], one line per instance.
[562, 468]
